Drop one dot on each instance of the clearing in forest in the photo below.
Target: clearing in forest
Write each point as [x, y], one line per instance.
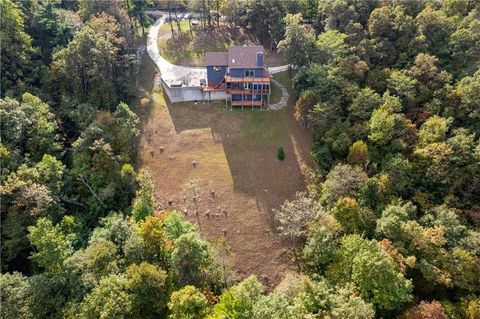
[188, 47]
[236, 171]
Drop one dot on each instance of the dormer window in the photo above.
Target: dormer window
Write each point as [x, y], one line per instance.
[249, 73]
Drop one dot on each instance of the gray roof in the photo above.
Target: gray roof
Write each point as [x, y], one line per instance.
[216, 58]
[244, 56]
[237, 57]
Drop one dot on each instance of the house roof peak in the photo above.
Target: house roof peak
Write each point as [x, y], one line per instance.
[238, 56]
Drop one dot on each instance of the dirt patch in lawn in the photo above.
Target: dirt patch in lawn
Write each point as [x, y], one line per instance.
[235, 152]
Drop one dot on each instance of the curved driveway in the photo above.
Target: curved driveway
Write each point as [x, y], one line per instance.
[171, 72]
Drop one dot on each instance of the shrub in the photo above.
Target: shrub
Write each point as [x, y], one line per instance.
[281, 154]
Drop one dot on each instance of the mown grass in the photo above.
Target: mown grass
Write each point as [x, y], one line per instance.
[264, 127]
[184, 27]
[275, 95]
[284, 78]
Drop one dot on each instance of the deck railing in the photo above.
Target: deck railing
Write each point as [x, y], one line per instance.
[253, 79]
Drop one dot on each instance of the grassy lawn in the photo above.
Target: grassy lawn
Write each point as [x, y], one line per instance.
[275, 95]
[184, 27]
[283, 78]
[237, 158]
[179, 51]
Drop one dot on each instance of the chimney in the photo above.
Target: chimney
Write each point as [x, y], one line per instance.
[260, 59]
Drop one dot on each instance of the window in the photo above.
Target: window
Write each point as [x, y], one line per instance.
[217, 68]
[247, 86]
[248, 73]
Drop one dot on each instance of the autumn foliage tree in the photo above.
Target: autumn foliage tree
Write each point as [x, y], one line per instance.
[303, 106]
[425, 310]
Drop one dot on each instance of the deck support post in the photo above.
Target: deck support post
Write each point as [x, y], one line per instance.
[242, 100]
[269, 92]
[251, 96]
[261, 100]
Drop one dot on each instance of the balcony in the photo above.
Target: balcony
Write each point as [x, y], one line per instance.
[253, 79]
[246, 92]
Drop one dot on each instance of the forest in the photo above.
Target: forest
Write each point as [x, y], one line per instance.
[389, 223]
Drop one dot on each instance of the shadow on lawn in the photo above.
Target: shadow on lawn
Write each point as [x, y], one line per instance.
[146, 75]
[250, 140]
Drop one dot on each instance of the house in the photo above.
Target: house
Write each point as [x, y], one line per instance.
[240, 73]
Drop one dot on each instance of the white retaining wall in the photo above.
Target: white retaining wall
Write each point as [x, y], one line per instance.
[191, 93]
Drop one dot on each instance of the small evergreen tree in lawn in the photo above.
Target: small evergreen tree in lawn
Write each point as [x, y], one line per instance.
[281, 154]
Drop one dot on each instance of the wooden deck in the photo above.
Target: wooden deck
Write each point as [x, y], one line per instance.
[232, 79]
[246, 92]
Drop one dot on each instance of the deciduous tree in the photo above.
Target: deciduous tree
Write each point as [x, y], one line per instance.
[16, 49]
[188, 303]
[53, 243]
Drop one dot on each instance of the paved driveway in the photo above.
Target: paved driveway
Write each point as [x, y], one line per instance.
[171, 72]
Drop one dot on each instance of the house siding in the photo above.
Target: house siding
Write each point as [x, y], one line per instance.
[241, 72]
[241, 88]
[215, 77]
[258, 72]
[237, 72]
[255, 97]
